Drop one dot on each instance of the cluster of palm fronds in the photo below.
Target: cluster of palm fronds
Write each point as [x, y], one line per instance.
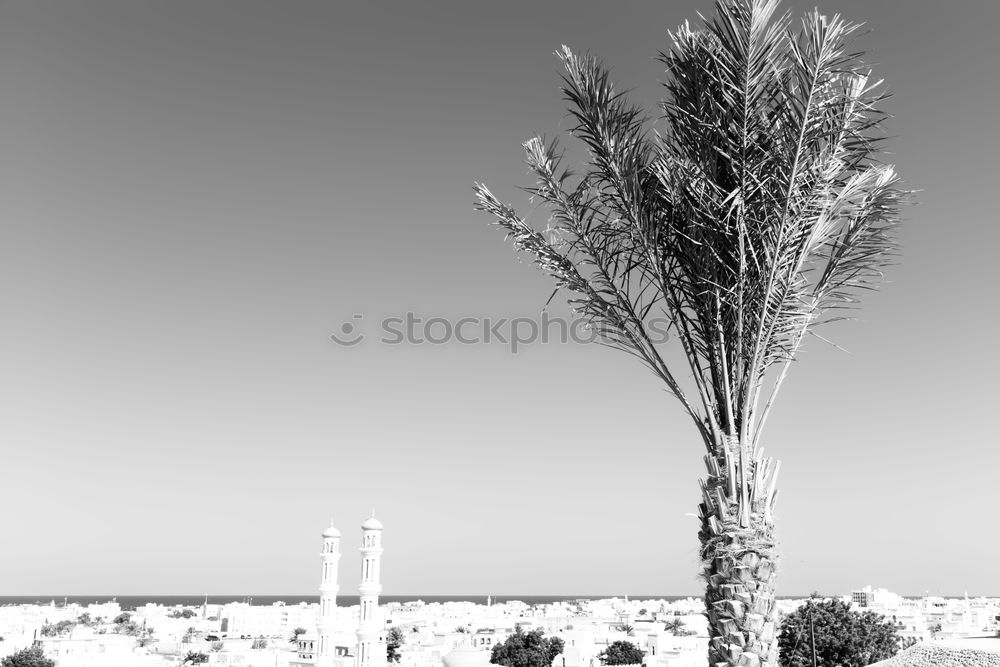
[758, 212]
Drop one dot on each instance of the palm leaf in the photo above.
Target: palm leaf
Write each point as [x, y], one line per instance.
[759, 211]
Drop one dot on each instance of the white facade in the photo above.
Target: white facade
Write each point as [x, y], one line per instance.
[328, 589]
[84, 648]
[371, 638]
[875, 597]
[244, 620]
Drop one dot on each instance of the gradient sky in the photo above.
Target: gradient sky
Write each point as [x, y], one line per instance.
[195, 195]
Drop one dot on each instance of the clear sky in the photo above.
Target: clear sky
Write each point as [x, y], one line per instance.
[195, 195]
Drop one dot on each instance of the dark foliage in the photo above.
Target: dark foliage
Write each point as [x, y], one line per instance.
[527, 649]
[392, 644]
[843, 637]
[676, 627]
[29, 657]
[130, 628]
[57, 629]
[195, 658]
[621, 653]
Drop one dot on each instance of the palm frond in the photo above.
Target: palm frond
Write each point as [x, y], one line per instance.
[758, 212]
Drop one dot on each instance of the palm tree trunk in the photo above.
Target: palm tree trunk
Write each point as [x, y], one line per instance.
[739, 556]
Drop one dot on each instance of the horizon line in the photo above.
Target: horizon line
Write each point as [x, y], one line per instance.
[416, 596]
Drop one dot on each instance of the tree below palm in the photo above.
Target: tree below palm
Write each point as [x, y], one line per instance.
[527, 649]
[836, 635]
[621, 653]
[394, 641]
[29, 657]
[759, 211]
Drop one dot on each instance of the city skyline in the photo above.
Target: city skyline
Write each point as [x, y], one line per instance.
[195, 197]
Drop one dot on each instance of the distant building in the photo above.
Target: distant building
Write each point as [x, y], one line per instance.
[466, 656]
[486, 638]
[875, 597]
[83, 648]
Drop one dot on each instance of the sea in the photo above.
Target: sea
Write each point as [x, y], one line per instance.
[135, 601]
[129, 602]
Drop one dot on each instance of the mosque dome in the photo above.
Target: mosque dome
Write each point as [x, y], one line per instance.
[331, 532]
[372, 524]
[467, 656]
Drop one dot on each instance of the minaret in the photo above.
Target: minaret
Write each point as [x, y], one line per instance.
[327, 596]
[371, 639]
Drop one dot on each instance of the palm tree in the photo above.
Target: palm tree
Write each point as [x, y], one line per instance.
[674, 626]
[759, 211]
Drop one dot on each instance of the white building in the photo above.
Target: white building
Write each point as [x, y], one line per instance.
[336, 641]
[279, 620]
[328, 589]
[875, 597]
[371, 634]
[83, 648]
